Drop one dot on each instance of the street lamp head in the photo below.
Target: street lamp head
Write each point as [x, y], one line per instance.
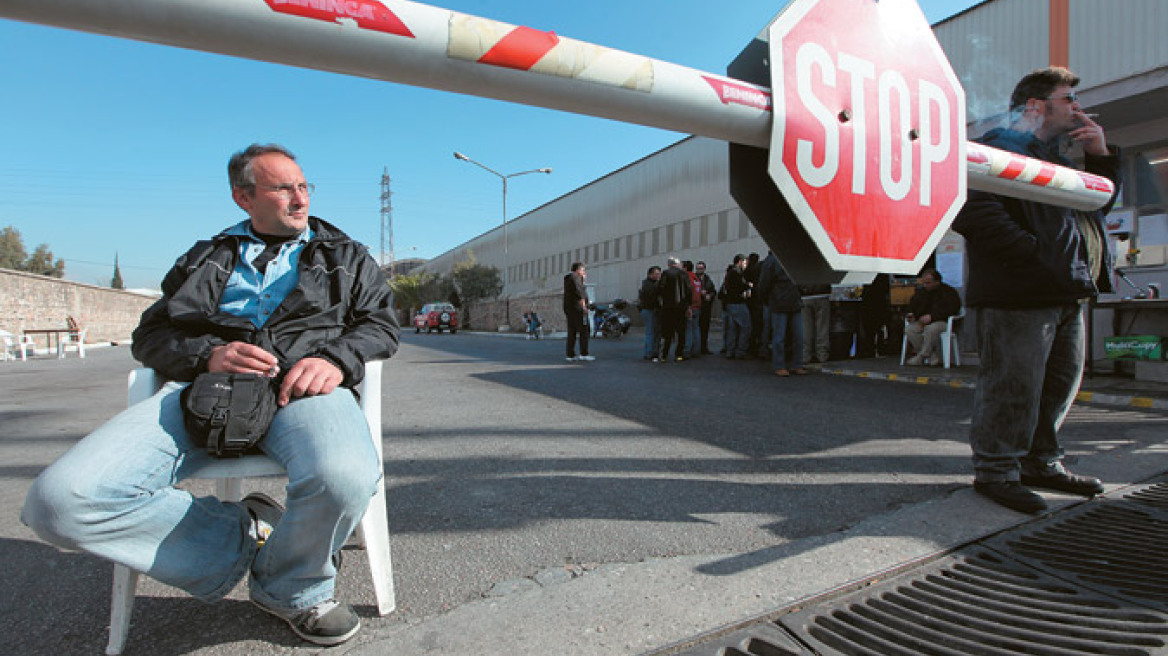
[458, 155]
[545, 170]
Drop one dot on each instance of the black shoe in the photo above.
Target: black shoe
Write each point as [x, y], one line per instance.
[1066, 482]
[327, 623]
[265, 514]
[1012, 495]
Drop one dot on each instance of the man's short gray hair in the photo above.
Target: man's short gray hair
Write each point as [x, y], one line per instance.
[673, 261]
[239, 167]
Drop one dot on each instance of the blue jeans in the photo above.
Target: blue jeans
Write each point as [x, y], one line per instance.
[652, 332]
[693, 334]
[1031, 365]
[786, 327]
[113, 495]
[738, 342]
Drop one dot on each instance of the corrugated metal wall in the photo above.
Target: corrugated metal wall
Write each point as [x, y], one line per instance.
[1114, 39]
[674, 202]
[992, 46]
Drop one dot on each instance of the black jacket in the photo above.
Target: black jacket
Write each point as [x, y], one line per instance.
[734, 284]
[1025, 254]
[649, 297]
[341, 310]
[777, 288]
[574, 292]
[675, 288]
[940, 304]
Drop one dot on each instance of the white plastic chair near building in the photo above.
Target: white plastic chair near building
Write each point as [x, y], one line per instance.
[949, 341]
[372, 533]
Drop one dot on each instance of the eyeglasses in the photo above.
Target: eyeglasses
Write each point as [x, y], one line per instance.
[1071, 97]
[289, 190]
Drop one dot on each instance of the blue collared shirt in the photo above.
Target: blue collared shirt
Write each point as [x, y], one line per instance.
[253, 295]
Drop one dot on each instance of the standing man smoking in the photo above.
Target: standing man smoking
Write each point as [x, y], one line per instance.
[1032, 267]
[282, 294]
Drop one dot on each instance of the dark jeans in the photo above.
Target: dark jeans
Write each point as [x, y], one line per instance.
[1031, 365]
[577, 327]
[673, 325]
[704, 324]
[786, 338]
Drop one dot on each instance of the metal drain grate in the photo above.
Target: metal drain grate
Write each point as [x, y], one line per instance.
[979, 603]
[1116, 547]
[1155, 496]
[1092, 581]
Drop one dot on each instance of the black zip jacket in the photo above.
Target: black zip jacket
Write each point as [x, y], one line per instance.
[1024, 254]
[341, 310]
[776, 287]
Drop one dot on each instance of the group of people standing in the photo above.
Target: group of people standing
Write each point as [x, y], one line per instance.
[762, 313]
[676, 306]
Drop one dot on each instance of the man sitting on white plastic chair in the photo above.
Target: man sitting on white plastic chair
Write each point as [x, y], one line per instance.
[930, 307]
[282, 294]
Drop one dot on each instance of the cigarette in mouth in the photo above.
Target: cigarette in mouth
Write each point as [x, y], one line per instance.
[1090, 115]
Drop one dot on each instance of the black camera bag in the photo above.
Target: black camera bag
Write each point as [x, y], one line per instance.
[227, 413]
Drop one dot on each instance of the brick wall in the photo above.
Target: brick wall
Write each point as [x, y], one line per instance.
[32, 301]
[489, 315]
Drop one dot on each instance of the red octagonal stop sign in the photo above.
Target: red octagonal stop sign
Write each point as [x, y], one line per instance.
[868, 144]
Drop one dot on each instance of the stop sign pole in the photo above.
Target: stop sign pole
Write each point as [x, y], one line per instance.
[411, 43]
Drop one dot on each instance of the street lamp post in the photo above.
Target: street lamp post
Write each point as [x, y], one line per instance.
[504, 178]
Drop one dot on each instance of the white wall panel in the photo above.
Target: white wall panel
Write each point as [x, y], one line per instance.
[1114, 39]
[992, 46]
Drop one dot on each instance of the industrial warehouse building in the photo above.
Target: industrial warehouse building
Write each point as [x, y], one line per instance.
[677, 201]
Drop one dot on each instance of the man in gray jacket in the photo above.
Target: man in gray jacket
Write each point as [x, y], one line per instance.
[281, 294]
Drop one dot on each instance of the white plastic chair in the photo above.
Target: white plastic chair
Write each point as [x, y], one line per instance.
[372, 533]
[74, 338]
[949, 342]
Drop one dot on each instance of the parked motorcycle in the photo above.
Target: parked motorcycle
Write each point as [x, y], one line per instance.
[609, 321]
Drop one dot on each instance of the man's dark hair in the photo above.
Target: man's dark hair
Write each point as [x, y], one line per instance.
[1039, 84]
[576, 266]
[687, 265]
[739, 257]
[652, 269]
[701, 264]
[239, 167]
[933, 272]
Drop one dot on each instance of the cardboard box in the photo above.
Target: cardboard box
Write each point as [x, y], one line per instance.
[1134, 347]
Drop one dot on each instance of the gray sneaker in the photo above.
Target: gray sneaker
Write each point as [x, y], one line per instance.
[327, 623]
[265, 515]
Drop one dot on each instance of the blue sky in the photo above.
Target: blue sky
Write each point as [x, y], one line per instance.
[114, 146]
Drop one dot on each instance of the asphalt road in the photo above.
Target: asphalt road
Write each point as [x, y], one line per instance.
[505, 464]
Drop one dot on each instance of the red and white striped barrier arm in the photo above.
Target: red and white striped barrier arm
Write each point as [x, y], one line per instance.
[419, 45]
[1009, 174]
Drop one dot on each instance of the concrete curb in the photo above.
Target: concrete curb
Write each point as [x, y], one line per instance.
[640, 608]
[1087, 397]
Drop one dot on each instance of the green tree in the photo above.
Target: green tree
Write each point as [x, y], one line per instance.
[409, 289]
[41, 262]
[12, 253]
[13, 256]
[117, 283]
[413, 290]
[474, 281]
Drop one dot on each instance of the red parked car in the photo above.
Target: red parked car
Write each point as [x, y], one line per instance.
[436, 316]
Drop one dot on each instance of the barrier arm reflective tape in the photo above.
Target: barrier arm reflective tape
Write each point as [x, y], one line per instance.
[419, 45]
